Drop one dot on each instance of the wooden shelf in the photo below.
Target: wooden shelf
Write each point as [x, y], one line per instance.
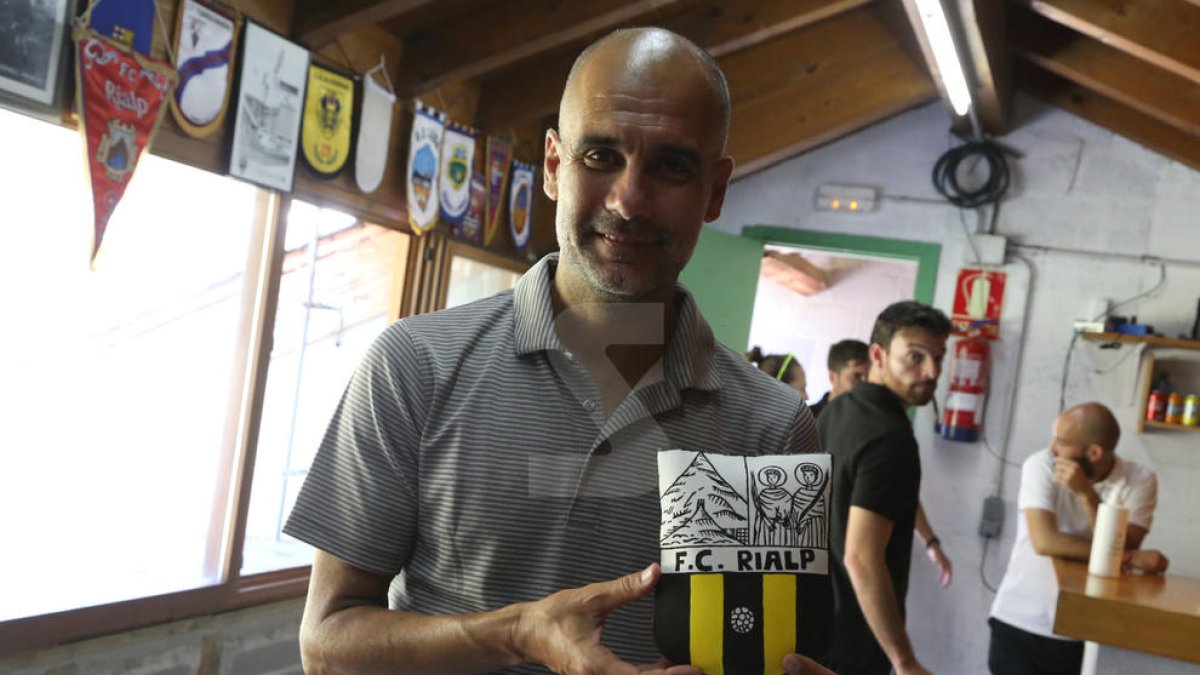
[1149, 340]
[1154, 424]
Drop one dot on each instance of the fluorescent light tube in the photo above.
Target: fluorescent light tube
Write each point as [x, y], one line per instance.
[944, 54]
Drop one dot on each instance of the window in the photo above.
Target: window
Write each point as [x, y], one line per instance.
[116, 382]
[339, 279]
[476, 274]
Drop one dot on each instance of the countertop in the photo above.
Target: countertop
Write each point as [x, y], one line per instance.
[1156, 614]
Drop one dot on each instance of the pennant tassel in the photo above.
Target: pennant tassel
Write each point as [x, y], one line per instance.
[121, 98]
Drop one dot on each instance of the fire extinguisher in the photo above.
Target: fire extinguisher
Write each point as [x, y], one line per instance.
[967, 393]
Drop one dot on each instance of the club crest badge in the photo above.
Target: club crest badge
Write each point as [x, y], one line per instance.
[328, 110]
[458, 162]
[117, 150]
[744, 549]
[520, 204]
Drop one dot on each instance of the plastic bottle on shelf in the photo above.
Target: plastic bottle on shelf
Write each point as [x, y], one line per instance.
[1174, 408]
[1156, 406]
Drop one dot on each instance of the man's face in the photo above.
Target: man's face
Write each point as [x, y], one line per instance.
[912, 364]
[636, 170]
[852, 373]
[1069, 443]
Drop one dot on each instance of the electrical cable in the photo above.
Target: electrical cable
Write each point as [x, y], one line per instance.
[1162, 279]
[1062, 389]
[982, 558]
[945, 174]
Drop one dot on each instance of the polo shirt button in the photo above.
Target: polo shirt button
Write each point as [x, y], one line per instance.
[589, 405]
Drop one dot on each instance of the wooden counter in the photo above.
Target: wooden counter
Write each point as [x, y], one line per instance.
[1153, 614]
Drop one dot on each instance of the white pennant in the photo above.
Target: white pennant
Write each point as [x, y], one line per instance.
[374, 134]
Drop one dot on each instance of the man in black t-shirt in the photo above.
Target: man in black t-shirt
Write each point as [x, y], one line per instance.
[876, 487]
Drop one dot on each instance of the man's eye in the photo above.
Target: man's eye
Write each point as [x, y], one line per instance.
[675, 168]
[599, 158]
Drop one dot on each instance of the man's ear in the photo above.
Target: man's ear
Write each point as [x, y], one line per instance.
[720, 184]
[878, 356]
[553, 159]
[1094, 452]
[833, 376]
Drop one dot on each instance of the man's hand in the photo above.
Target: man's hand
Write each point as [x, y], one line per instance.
[1149, 561]
[914, 669]
[938, 557]
[562, 631]
[797, 664]
[1069, 474]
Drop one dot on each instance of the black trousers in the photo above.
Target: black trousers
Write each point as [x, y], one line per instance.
[1013, 651]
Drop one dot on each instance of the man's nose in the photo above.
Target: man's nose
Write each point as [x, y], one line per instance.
[629, 194]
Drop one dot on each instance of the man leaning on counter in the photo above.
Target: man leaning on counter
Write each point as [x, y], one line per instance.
[1061, 488]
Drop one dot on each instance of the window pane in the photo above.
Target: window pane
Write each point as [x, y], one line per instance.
[471, 280]
[327, 317]
[115, 384]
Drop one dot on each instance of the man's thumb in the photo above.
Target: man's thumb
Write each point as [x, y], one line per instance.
[629, 587]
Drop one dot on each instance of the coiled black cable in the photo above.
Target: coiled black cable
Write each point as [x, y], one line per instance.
[945, 175]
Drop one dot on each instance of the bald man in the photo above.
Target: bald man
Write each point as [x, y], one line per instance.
[486, 497]
[1061, 488]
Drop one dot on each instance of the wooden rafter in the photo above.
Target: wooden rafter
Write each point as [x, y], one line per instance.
[722, 28]
[1110, 114]
[1160, 32]
[1159, 93]
[318, 22]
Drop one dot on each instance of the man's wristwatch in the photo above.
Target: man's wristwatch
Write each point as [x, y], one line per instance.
[931, 542]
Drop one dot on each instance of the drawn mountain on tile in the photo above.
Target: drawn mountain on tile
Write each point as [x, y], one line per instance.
[701, 507]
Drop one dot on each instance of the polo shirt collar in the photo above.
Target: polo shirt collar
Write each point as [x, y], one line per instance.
[689, 356]
[881, 396]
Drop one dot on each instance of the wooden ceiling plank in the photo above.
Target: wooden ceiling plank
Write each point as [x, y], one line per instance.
[424, 72]
[1160, 32]
[723, 29]
[318, 22]
[1110, 114]
[833, 87]
[1158, 93]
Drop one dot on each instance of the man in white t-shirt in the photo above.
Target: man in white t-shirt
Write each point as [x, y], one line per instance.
[1061, 488]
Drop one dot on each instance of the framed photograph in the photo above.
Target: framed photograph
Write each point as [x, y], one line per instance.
[270, 103]
[33, 54]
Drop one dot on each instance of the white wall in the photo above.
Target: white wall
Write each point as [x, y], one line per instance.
[1078, 187]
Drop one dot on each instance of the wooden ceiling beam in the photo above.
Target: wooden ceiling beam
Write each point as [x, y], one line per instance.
[722, 28]
[811, 87]
[319, 22]
[1158, 93]
[1159, 32]
[1109, 114]
[499, 36]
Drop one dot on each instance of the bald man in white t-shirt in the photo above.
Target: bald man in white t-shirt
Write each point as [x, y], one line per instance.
[1061, 488]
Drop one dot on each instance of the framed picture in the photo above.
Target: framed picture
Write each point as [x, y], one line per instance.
[33, 54]
[270, 102]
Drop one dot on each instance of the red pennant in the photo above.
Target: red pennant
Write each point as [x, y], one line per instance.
[121, 96]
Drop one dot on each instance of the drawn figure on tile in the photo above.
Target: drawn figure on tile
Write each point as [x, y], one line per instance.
[807, 521]
[773, 504]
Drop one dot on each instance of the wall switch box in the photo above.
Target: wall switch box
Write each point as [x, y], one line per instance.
[993, 517]
[991, 248]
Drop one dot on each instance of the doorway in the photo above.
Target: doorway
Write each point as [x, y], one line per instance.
[807, 299]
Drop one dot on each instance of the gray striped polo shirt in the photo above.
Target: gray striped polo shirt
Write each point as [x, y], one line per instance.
[471, 456]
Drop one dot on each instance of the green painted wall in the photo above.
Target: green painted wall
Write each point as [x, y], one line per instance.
[723, 277]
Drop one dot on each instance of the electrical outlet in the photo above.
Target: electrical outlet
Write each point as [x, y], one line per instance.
[993, 517]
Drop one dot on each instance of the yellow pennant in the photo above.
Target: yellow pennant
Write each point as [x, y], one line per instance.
[328, 112]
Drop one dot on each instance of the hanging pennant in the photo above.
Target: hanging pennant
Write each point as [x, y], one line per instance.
[471, 226]
[128, 22]
[122, 96]
[328, 111]
[374, 132]
[205, 44]
[499, 155]
[423, 149]
[270, 100]
[454, 180]
[520, 204]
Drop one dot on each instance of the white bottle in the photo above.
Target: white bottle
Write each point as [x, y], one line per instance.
[1108, 539]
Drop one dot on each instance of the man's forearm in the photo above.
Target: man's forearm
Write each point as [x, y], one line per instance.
[1064, 545]
[877, 598]
[371, 639]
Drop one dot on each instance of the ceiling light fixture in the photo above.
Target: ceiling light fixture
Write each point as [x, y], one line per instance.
[933, 18]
